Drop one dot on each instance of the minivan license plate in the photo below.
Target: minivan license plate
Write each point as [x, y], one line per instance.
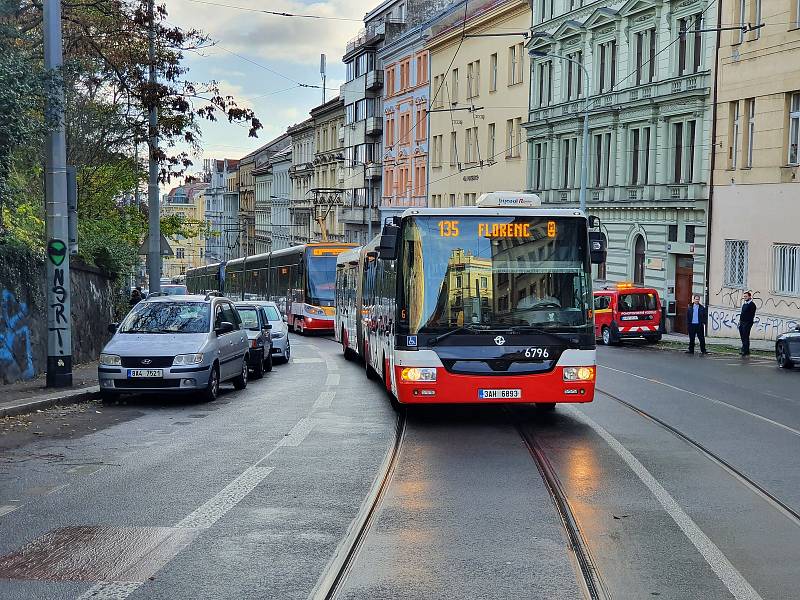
[499, 394]
[145, 373]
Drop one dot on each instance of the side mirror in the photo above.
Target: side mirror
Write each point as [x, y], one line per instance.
[224, 327]
[594, 222]
[268, 326]
[112, 327]
[387, 247]
[597, 247]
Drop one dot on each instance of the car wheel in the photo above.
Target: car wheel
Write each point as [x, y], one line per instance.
[258, 370]
[782, 356]
[606, 333]
[240, 382]
[268, 362]
[211, 392]
[107, 397]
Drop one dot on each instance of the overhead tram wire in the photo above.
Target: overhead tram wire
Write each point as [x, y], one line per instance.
[274, 13]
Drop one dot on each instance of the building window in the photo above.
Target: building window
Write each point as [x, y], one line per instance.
[422, 124]
[470, 154]
[569, 158]
[436, 151]
[544, 78]
[645, 49]
[638, 260]
[180, 253]
[388, 182]
[454, 86]
[473, 79]
[438, 99]
[755, 9]
[539, 166]
[574, 75]
[750, 113]
[794, 129]
[422, 69]
[672, 233]
[742, 20]
[736, 257]
[493, 72]
[640, 155]
[690, 44]
[452, 199]
[390, 83]
[453, 149]
[689, 234]
[733, 134]
[515, 64]
[602, 159]
[405, 74]
[606, 62]
[683, 142]
[491, 142]
[513, 137]
[390, 133]
[420, 176]
[544, 10]
[786, 269]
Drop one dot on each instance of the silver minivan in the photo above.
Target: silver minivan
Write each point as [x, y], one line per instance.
[175, 344]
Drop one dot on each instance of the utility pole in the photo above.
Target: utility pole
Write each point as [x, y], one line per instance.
[59, 320]
[322, 71]
[154, 222]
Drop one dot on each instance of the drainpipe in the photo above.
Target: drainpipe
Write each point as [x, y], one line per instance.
[709, 211]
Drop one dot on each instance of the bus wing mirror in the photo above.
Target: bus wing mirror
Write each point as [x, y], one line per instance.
[387, 247]
[597, 247]
[594, 222]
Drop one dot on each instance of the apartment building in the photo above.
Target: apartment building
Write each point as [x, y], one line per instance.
[267, 202]
[328, 170]
[301, 173]
[648, 82]
[187, 202]
[221, 215]
[247, 203]
[755, 236]
[406, 85]
[479, 99]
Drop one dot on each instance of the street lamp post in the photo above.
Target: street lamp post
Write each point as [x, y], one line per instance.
[584, 158]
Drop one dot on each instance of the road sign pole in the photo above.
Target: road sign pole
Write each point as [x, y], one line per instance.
[59, 320]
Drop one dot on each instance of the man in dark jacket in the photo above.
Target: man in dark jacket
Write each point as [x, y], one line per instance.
[746, 318]
[696, 320]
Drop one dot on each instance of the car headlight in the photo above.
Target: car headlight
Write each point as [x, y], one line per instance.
[187, 359]
[277, 335]
[418, 374]
[578, 373]
[111, 360]
[313, 310]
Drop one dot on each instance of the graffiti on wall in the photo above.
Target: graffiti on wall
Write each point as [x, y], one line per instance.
[16, 355]
[725, 322]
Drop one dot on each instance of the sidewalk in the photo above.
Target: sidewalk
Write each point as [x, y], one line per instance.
[731, 344]
[28, 396]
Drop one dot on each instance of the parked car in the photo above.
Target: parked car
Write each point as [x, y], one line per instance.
[176, 344]
[787, 348]
[281, 348]
[257, 326]
[627, 311]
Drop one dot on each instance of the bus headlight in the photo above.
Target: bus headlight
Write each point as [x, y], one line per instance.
[578, 373]
[418, 374]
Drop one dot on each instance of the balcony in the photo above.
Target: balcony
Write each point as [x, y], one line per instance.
[375, 79]
[373, 172]
[371, 34]
[374, 125]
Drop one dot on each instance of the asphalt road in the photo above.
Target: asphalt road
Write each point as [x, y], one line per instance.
[252, 496]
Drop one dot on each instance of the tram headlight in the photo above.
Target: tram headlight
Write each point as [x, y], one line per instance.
[313, 310]
[417, 374]
[578, 373]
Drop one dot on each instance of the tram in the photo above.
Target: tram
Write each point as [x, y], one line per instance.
[483, 304]
[299, 279]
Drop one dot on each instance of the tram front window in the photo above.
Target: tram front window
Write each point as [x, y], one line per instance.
[321, 280]
[495, 272]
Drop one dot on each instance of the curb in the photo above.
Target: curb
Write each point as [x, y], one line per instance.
[26, 405]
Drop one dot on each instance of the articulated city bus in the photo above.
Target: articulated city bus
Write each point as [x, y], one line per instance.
[491, 303]
[300, 280]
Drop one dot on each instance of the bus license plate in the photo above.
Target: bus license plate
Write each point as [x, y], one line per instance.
[499, 394]
[132, 373]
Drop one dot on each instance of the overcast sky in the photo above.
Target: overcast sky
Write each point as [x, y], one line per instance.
[287, 50]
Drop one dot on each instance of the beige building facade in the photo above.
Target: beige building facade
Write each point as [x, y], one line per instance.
[476, 141]
[328, 179]
[187, 202]
[755, 236]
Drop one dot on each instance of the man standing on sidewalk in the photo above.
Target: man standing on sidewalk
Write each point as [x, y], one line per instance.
[696, 320]
[746, 318]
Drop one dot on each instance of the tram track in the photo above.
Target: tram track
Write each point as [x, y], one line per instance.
[593, 586]
[779, 505]
[334, 575]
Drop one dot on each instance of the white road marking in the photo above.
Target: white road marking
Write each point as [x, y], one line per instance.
[332, 380]
[301, 361]
[714, 400]
[298, 433]
[324, 400]
[7, 508]
[737, 585]
[110, 590]
[233, 493]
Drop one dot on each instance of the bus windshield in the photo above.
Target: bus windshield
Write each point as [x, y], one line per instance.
[494, 272]
[321, 280]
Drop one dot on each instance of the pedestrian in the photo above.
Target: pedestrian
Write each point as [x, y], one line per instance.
[746, 318]
[696, 320]
[136, 296]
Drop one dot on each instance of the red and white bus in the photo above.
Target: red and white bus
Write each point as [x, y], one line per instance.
[491, 303]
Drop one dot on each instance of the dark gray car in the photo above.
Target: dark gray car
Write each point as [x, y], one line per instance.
[787, 348]
[257, 326]
[176, 344]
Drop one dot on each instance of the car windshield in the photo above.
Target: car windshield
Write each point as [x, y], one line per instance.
[635, 302]
[495, 272]
[249, 318]
[321, 280]
[167, 317]
[272, 313]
